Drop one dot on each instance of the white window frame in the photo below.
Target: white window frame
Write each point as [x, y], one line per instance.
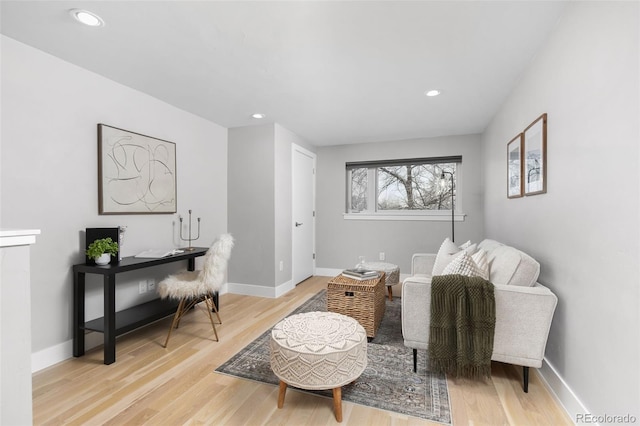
[372, 212]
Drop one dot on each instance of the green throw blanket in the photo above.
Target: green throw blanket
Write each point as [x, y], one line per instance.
[463, 318]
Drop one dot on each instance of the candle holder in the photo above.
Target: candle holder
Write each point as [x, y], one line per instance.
[190, 237]
[121, 231]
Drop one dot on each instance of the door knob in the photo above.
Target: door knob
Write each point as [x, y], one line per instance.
[298, 224]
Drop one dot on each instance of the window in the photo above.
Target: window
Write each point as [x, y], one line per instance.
[403, 187]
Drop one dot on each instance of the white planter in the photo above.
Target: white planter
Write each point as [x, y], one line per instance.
[104, 259]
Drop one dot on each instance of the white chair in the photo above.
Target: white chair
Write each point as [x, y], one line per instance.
[192, 287]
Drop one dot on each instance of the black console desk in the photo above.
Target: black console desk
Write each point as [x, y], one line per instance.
[115, 323]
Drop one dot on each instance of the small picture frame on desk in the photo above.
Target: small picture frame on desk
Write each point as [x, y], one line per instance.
[92, 234]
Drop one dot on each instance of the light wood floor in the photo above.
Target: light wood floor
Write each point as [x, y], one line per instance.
[152, 385]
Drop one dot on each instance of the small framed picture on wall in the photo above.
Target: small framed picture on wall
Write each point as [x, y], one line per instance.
[514, 167]
[535, 157]
[136, 173]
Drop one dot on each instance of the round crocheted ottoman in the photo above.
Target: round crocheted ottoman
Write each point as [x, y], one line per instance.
[318, 350]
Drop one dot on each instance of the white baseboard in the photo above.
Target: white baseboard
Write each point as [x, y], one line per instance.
[260, 290]
[63, 351]
[328, 272]
[284, 288]
[561, 390]
[50, 356]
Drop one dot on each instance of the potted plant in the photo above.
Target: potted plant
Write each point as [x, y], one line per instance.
[101, 250]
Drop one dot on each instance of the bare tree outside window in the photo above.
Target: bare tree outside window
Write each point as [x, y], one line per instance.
[359, 189]
[414, 187]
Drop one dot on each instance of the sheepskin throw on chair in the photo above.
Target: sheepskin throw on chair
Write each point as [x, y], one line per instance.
[192, 287]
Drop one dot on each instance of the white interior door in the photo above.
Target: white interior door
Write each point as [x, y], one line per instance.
[303, 200]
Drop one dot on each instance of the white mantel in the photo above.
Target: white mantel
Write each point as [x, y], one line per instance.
[18, 237]
[15, 326]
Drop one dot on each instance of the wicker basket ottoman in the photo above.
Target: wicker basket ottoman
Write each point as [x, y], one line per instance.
[362, 300]
[318, 350]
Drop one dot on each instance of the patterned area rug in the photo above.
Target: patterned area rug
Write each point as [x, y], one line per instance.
[388, 382]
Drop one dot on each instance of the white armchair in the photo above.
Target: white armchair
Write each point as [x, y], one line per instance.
[523, 311]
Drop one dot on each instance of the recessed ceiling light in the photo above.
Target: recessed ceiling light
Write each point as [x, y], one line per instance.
[431, 93]
[87, 18]
[258, 115]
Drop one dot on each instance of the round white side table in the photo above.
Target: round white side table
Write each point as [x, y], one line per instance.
[392, 271]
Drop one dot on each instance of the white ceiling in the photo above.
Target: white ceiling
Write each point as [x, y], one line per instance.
[333, 72]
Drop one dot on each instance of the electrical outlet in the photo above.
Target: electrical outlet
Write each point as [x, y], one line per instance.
[382, 255]
[142, 287]
[281, 265]
[151, 284]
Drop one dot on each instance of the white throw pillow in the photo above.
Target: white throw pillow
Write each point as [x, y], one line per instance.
[448, 251]
[480, 258]
[463, 265]
[471, 249]
[465, 245]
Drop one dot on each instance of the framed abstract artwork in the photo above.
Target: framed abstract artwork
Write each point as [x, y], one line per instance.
[514, 167]
[535, 157]
[136, 173]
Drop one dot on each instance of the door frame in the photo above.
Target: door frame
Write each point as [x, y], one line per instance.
[313, 156]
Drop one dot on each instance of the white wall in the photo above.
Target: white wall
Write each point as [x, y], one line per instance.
[259, 208]
[585, 230]
[251, 207]
[340, 242]
[50, 110]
